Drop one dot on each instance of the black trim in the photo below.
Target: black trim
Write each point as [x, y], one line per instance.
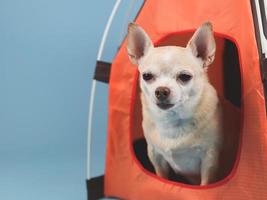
[231, 73]
[95, 188]
[263, 17]
[102, 71]
[263, 60]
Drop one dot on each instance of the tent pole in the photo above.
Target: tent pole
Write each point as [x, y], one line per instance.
[93, 87]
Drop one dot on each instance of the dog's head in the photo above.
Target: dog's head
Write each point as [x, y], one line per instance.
[172, 76]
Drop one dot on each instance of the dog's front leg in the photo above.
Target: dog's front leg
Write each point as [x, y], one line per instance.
[209, 167]
[161, 166]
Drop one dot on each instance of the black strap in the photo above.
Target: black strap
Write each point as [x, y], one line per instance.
[102, 71]
[95, 188]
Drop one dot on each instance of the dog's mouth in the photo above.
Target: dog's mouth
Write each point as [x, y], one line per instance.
[165, 106]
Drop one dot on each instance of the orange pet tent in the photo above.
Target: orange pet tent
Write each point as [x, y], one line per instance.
[238, 75]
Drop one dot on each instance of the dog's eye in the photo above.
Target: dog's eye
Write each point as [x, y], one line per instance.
[148, 76]
[184, 77]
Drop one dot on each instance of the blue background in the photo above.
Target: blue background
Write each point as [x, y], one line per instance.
[48, 50]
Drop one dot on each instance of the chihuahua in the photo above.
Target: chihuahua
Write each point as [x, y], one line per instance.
[181, 111]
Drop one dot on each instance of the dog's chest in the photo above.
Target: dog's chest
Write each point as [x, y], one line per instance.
[182, 150]
[185, 160]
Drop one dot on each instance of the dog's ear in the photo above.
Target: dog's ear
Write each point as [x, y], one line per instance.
[203, 44]
[138, 43]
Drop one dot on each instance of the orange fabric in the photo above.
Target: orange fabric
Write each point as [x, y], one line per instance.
[124, 177]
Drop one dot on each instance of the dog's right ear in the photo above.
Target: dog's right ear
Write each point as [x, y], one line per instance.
[138, 43]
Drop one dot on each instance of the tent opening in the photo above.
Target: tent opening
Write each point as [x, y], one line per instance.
[224, 75]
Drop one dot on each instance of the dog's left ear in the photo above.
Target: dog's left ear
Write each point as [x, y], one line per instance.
[203, 44]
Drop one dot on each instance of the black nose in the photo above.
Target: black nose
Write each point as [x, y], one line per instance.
[162, 93]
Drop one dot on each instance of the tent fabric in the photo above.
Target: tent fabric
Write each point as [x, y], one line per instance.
[125, 177]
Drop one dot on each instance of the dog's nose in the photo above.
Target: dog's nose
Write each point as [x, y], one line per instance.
[162, 93]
